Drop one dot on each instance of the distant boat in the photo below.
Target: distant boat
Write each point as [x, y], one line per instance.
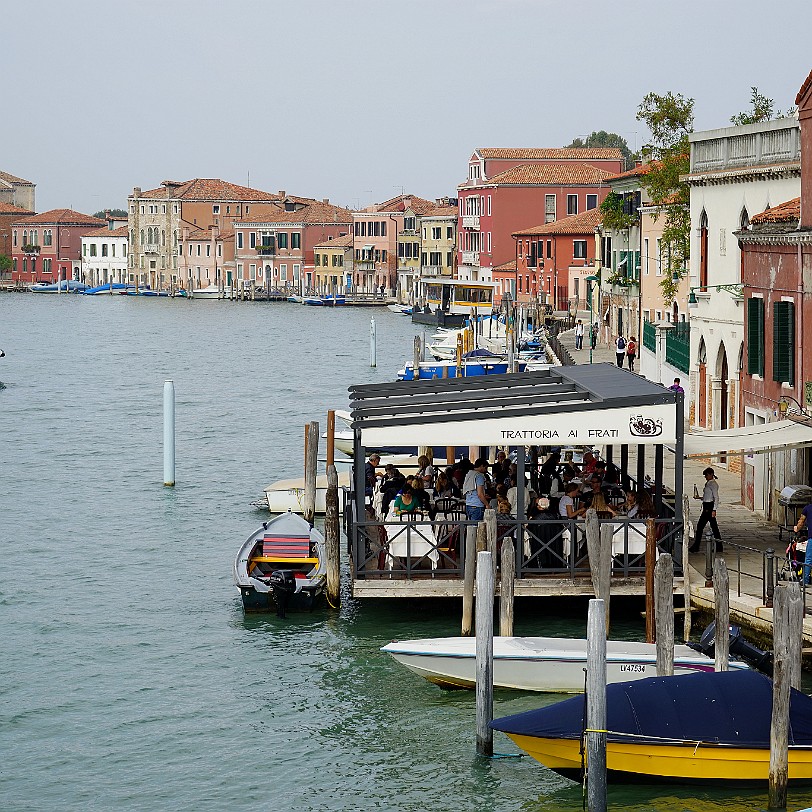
[707, 728]
[295, 298]
[211, 292]
[117, 286]
[313, 301]
[64, 286]
[546, 664]
[476, 362]
[330, 301]
[281, 565]
[288, 494]
[404, 310]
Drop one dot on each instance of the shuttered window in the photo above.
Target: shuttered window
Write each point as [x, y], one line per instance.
[784, 342]
[755, 336]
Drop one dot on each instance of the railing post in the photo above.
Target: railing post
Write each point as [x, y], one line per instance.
[710, 544]
[769, 578]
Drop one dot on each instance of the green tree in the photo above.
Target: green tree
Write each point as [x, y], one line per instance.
[761, 109]
[5, 262]
[670, 118]
[601, 138]
[113, 213]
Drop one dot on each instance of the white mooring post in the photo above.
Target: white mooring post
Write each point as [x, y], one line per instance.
[169, 433]
[596, 707]
[373, 344]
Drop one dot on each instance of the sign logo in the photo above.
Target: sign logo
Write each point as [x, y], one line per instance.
[641, 426]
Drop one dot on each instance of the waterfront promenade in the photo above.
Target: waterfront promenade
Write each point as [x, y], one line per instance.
[746, 535]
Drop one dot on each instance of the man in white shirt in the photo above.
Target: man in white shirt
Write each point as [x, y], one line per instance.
[710, 503]
[579, 335]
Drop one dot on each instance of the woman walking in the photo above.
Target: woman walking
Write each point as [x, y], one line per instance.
[710, 503]
[631, 352]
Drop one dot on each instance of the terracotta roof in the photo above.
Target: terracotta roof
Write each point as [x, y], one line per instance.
[584, 223]
[441, 211]
[336, 242]
[5, 176]
[9, 208]
[643, 169]
[505, 266]
[205, 234]
[121, 231]
[417, 204]
[563, 153]
[783, 213]
[550, 175]
[804, 87]
[312, 212]
[209, 189]
[66, 217]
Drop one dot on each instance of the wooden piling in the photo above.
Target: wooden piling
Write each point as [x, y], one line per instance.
[416, 358]
[332, 544]
[721, 602]
[331, 438]
[686, 568]
[508, 583]
[779, 724]
[311, 461]
[490, 527]
[795, 620]
[468, 581]
[664, 614]
[596, 796]
[651, 560]
[485, 587]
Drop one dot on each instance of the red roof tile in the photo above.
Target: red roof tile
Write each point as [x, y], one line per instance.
[782, 213]
[208, 189]
[563, 153]
[417, 204]
[635, 171]
[312, 212]
[584, 223]
[441, 211]
[8, 178]
[9, 208]
[505, 266]
[204, 234]
[62, 217]
[550, 175]
[336, 242]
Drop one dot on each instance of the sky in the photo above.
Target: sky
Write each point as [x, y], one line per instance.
[358, 100]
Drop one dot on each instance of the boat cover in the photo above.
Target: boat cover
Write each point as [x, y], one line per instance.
[728, 707]
[481, 352]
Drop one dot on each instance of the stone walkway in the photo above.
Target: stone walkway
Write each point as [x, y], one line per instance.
[745, 534]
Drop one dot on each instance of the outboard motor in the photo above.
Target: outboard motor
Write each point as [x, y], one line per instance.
[738, 647]
[283, 585]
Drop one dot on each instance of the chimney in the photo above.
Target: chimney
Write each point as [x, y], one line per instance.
[325, 200]
[136, 192]
[804, 102]
[282, 193]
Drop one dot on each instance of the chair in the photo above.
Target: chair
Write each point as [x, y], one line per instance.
[446, 505]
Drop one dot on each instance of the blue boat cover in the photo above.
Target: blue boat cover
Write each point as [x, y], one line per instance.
[481, 352]
[729, 707]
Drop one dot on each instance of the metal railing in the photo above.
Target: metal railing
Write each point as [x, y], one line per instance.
[649, 336]
[678, 346]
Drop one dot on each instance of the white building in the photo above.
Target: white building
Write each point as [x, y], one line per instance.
[104, 254]
[735, 172]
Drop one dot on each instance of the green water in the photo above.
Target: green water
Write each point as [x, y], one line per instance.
[129, 677]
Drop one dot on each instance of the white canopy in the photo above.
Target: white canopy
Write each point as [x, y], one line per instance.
[749, 439]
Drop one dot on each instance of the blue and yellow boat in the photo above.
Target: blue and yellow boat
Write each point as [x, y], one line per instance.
[706, 728]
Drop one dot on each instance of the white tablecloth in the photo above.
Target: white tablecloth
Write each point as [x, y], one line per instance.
[637, 538]
[415, 539]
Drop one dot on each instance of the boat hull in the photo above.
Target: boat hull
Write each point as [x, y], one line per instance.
[288, 494]
[542, 664]
[303, 601]
[430, 370]
[690, 763]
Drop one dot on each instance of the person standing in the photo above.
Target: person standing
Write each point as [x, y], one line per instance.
[593, 334]
[579, 335]
[710, 504]
[631, 352]
[476, 500]
[676, 387]
[370, 474]
[620, 350]
[806, 519]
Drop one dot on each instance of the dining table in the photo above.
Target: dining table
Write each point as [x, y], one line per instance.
[410, 537]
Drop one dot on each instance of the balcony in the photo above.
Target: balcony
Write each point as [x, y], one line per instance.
[432, 270]
[266, 250]
[470, 258]
[30, 249]
[470, 221]
[150, 247]
[364, 265]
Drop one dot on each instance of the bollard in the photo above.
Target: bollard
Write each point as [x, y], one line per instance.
[169, 433]
[485, 590]
[710, 550]
[373, 343]
[769, 577]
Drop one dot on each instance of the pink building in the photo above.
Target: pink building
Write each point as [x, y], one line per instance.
[375, 233]
[277, 249]
[48, 246]
[508, 190]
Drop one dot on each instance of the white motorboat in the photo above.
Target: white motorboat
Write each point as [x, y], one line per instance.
[403, 310]
[289, 494]
[211, 292]
[546, 664]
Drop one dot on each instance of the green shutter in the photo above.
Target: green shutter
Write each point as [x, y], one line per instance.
[784, 342]
[755, 336]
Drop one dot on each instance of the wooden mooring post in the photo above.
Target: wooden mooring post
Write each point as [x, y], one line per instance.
[311, 461]
[332, 544]
[599, 548]
[508, 583]
[485, 587]
[651, 560]
[468, 581]
[596, 797]
[686, 568]
[416, 359]
[664, 614]
[721, 603]
[490, 535]
[331, 438]
[787, 618]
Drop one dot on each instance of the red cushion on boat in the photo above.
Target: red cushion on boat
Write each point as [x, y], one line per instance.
[286, 547]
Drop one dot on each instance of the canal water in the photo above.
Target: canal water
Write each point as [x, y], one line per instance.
[130, 678]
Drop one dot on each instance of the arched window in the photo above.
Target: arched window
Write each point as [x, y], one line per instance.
[703, 251]
[25, 264]
[132, 236]
[35, 237]
[744, 219]
[142, 237]
[25, 237]
[163, 237]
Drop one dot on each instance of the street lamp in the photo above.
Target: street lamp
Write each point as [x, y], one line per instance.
[589, 280]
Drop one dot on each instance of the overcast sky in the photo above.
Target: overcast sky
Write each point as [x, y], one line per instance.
[358, 100]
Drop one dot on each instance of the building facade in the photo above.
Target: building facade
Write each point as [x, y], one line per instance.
[9, 214]
[104, 254]
[17, 192]
[333, 271]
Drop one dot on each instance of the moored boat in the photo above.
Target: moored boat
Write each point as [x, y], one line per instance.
[117, 286]
[476, 362]
[705, 728]
[545, 664]
[211, 292]
[281, 566]
[64, 286]
[313, 301]
[288, 494]
[403, 310]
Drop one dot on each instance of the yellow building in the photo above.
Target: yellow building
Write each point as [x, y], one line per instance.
[333, 265]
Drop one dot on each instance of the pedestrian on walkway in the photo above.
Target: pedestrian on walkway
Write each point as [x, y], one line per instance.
[710, 504]
[676, 387]
[579, 335]
[593, 334]
[620, 350]
[806, 519]
[631, 352]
